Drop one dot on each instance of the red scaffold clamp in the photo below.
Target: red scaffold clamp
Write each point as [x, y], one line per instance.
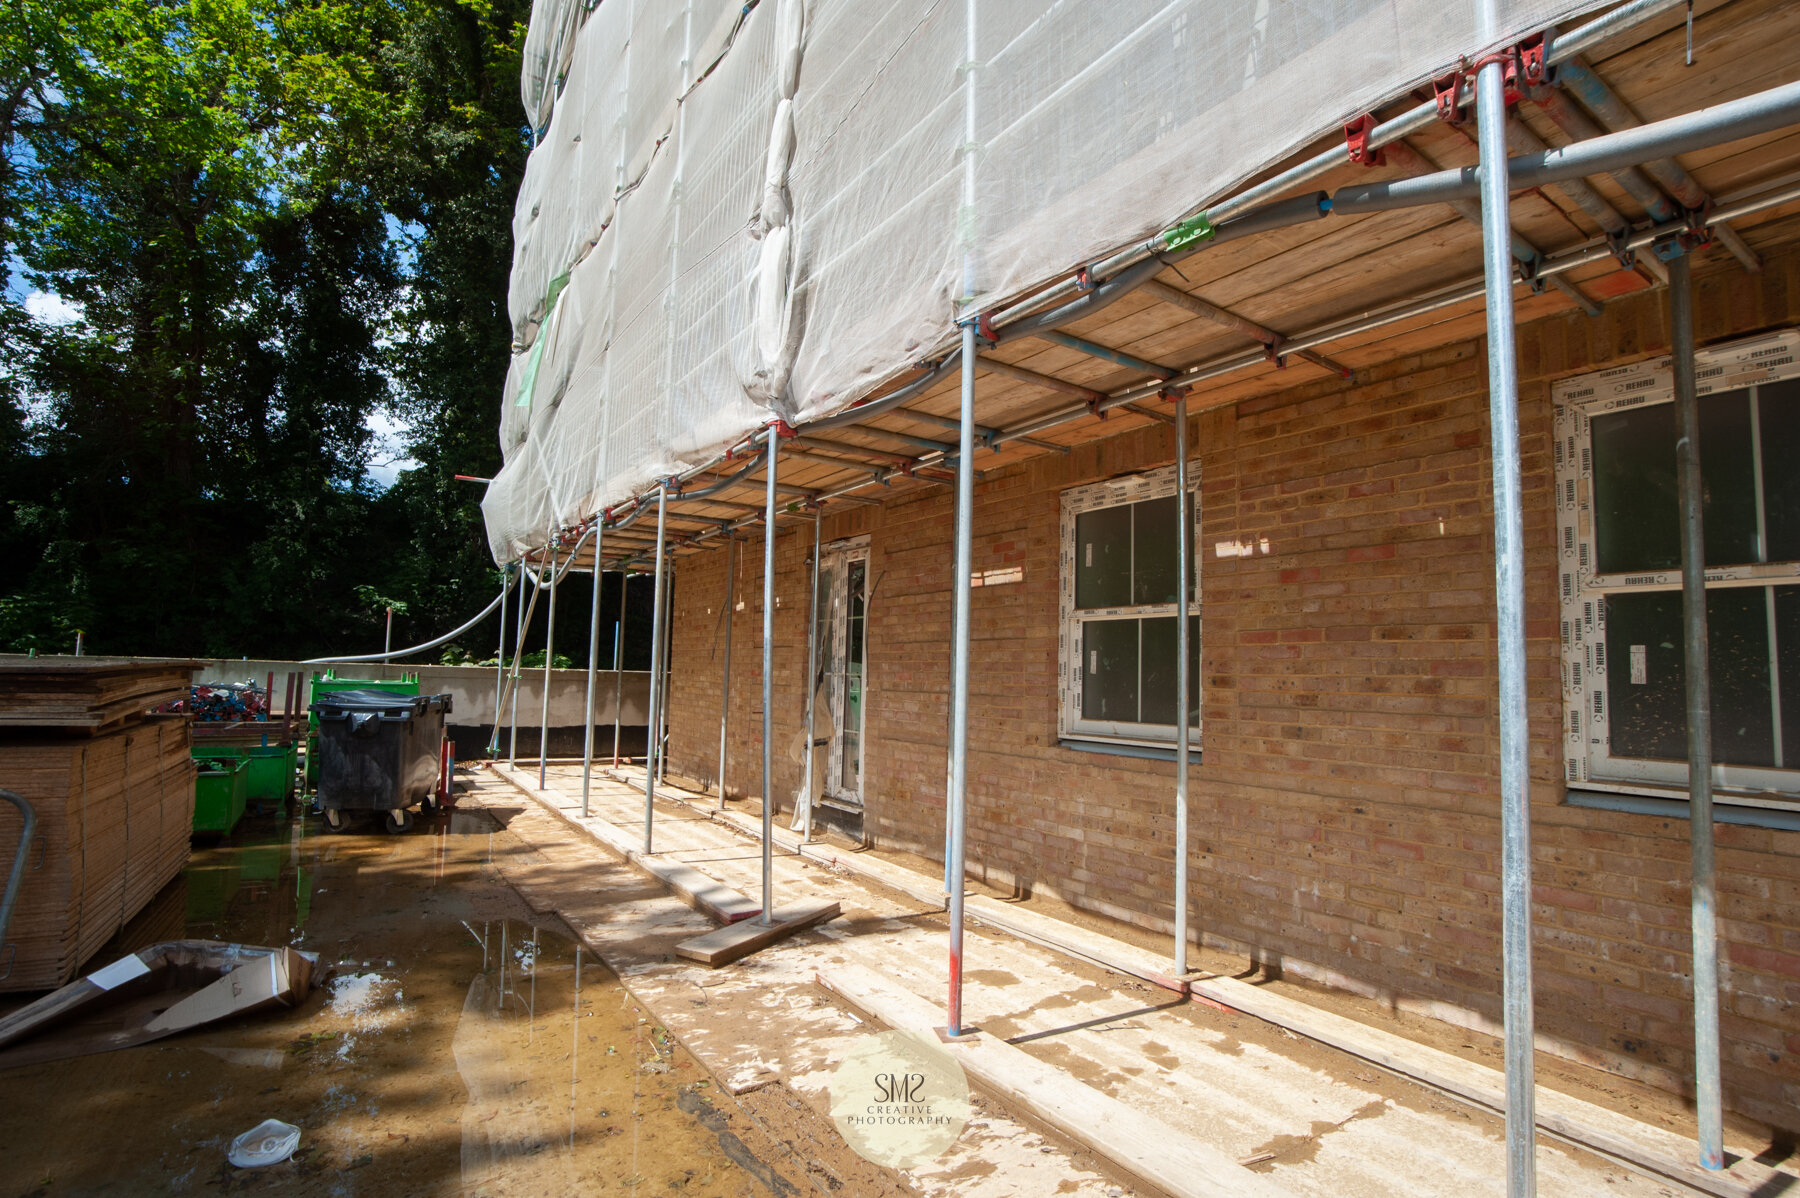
[1356, 141]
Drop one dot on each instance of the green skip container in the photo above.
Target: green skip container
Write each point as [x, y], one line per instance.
[271, 769]
[221, 788]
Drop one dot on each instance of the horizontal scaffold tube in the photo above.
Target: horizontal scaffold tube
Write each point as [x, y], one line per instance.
[1763, 112]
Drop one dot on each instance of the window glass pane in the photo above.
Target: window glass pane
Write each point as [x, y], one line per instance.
[1109, 670]
[1634, 490]
[1787, 637]
[1728, 476]
[1778, 406]
[1636, 498]
[1646, 685]
[1153, 541]
[1158, 671]
[1103, 558]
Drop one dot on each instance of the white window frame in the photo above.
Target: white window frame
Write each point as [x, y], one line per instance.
[1587, 751]
[1137, 488]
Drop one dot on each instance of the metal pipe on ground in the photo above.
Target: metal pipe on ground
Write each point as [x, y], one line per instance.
[587, 738]
[1509, 585]
[768, 687]
[1698, 678]
[725, 680]
[1612, 112]
[651, 724]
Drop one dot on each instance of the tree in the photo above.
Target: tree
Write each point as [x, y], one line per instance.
[274, 218]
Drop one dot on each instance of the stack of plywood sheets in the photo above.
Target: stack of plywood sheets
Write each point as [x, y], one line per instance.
[113, 791]
[86, 692]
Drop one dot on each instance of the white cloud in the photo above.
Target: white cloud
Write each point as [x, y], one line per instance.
[390, 456]
[51, 308]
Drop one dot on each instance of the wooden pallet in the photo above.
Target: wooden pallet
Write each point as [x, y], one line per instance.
[114, 815]
[86, 693]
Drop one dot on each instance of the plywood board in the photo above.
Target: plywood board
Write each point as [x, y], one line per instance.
[733, 941]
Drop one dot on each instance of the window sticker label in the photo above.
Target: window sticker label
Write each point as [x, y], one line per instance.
[1640, 665]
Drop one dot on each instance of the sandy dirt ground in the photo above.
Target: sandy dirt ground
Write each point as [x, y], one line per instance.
[1309, 1117]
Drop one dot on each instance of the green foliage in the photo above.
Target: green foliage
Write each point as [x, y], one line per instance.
[274, 219]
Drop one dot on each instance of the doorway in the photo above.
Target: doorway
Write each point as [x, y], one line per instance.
[842, 680]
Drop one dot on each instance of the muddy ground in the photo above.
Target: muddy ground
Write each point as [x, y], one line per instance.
[463, 1045]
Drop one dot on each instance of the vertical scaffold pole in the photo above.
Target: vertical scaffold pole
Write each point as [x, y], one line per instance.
[812, 666]
[1696, 662]
[959, 674]
[587, 744]
[500, 653]
[618, 666]
[725, 676]
[965, 524]
[655, 721]
[768, 685]
[668, 674]
[549, 659]
[1509, 579]
[512, 744]
[1183, 684]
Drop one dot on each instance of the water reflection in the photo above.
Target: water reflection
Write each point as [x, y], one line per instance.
[461, 1046]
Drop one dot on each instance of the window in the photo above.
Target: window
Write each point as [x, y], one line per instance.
[1119, 606]
[1620, 573]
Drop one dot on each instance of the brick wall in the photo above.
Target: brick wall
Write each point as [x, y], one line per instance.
[1346, 811]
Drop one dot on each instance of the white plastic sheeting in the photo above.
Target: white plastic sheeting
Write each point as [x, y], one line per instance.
[736, 216]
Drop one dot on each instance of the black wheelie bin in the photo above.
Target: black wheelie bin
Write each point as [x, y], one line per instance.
[378, 752]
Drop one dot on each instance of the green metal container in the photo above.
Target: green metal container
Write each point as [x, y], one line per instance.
[328, 682]
[271, 769]
[221, 788]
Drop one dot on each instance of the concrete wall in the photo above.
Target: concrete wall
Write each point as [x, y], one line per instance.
[471, 691]
[1346, 810]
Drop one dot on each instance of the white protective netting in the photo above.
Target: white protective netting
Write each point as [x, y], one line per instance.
[735, 215]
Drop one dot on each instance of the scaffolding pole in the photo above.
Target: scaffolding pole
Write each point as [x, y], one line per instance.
[959, 679]
[587, 744]
[549, 660]
[725, 678]
[618, 664]
[651, 725]
[1696, 664]
[956, 788]
[1183, 684]
[500, 653]
[668, 672]
[812, 688]
[526, 611]
[768, 684]
[1509, 580]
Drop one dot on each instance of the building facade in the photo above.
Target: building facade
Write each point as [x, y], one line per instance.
[1345, 785]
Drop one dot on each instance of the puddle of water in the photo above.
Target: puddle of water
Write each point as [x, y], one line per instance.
[460, 1047]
